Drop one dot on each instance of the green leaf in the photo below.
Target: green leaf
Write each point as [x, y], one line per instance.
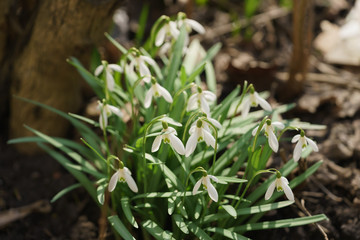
[179, 221]
[171, 205]
[116, 44]
[65, 191]
[156, 231]
[230, 210]
[100, 191]
[162, 195]
[227, 233]
[245, 211]
[210, 76]
[225, 180]
[120, 227]
[292, 222]
[125, 204]
[198, 231]
[224, 106]
[175, 60]
[84, 181]
[84, 165]
[196, 73]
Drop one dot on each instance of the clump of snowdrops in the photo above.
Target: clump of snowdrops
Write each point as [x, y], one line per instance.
[172, 161]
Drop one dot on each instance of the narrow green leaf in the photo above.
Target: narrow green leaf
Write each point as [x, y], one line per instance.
[292, 222]
[230, 210]
[116, 43]
[179, 221]
[156, 231]
[171, 205]
[198, 231]
[65, 191]
[125, 204]
[224, 180]
[225, 104]
[100, 191]
[196, 73]
[85, 182]
[210, 76]
[162, 195]
[227, 233]
[244, 211]
[120, 227]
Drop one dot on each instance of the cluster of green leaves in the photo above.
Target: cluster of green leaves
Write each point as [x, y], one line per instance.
[165, 207]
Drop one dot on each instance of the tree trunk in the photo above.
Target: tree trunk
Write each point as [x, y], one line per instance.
[41, 35]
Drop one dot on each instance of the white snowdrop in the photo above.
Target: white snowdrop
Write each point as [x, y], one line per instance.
[205, 181]
[109, 68]
[156, 91]
[168, 136]
[302, 142]
[269, 133]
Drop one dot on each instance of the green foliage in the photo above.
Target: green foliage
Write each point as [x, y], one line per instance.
[139, 161]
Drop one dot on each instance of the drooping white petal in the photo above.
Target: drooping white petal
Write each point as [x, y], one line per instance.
[192, 128]
[254, 131]
[245, 108]
[110, 82]
[284, 180]
[148, 60]
[115, 67]
[148, 97]
[130, 67]
[192, 102]
[177, 144]
[130, 181]
[273, 142]
[115, 111]
[173, 29]
[191, 144]
[160, 37]
[215, 122]
[295, 138]
[196, 186]
[164, 49]
[211, 190]
[113, 181]
[98, 70]
[312, 144]
[195, 25]
[208, 138]
[214, 178]
[163, 92]
[209, 96]
[103, 120]
[288, 192]
[263, 103]
[297, 151]
[270, 191]
[205, 106]
[278, 125]
[156, 144]
[143, 69]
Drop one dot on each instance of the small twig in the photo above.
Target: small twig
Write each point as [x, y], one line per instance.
[303, 208]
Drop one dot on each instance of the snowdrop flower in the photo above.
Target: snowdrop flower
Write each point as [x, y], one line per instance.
[269, 133]
[122, 175]
[200, 100]
[205, 181]
[198, 133]
[105, 111]
[253, 101]
[302, 142]
[109, 68]
[140, 62]
[168, 30]
[156, 90]
[281, 184]
[190, 24]
[169, 137]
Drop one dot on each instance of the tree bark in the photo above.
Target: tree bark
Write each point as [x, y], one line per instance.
[49, 32]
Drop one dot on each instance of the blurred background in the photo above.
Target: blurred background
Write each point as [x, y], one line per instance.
[302, 51]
